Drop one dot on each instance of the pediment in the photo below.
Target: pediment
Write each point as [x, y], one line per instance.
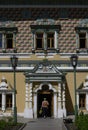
[45, 71]
[45, 67]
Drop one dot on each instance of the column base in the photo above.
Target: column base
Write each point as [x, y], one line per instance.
[64, 112]
[28, 113]
[60, 113]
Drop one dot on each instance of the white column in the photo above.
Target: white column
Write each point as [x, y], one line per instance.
[87, 101]
[77, 100]
[55, 105]
[63, 95]
[26, 110]
[30, 101]
[60, 110]
[35, 105]
[45, 40]
[56, 40]
[3, 102]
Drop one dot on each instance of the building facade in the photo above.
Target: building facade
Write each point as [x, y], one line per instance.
[43, 36]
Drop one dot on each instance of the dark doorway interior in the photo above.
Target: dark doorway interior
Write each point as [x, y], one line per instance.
[40, 97]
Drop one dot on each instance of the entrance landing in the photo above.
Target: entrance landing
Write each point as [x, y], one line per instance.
[45, 124]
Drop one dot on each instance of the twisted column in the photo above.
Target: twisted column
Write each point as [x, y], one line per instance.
[59, 95]
[63, 98]
[60, 110]
[28, 102]
[27, 95]
[30, 95]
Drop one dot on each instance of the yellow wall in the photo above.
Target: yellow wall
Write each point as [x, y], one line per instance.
[80, 77]
[20, 87]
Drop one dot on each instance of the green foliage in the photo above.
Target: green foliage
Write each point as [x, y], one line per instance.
[6, 121]
[82, 122]
[2, 124]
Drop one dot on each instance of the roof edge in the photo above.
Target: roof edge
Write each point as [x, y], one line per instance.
[44, 6]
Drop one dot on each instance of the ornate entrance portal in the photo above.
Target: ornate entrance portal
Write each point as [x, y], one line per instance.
[45, 80]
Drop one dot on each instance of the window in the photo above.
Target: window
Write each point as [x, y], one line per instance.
[50, 40]
[39, 40]
[0, 100]
[45, 35]
[9, 101]
[7, 36]
[9, 40]
[82, 40]
[0, 40]
[82, 98]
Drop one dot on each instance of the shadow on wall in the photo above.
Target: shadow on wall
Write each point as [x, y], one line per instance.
[69, 104]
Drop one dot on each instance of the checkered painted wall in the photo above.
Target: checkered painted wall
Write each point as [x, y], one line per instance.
[68, 19]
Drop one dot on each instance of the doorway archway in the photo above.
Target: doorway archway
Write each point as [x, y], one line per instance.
[48, 91]
[48, 94]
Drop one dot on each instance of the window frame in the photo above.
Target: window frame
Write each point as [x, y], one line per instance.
[5, 31]
[81, 29]
[52, 45]
[39, 38]
[8, 40]
[82, 100]
[45, 27]
[81, 39]
[5, 107]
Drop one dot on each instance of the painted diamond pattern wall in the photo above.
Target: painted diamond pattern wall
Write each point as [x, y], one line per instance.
[23, 18]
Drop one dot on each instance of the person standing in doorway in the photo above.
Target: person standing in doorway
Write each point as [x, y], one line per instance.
[45, 105]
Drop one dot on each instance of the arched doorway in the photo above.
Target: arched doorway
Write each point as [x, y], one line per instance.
[48, 94]
[47, 90]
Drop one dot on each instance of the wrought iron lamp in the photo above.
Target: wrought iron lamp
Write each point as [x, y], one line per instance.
[74, 61]
[14, 61]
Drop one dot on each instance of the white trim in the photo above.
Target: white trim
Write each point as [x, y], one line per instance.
[30, 68]
[50, 87]
[28, 55]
